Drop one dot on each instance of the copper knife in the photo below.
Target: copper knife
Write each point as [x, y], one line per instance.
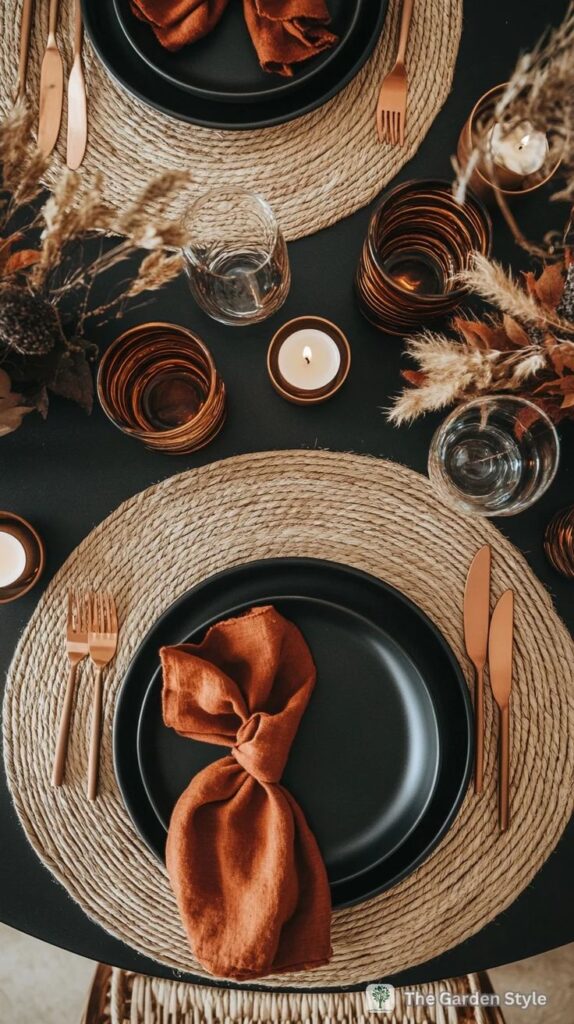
[77, 111]
[51, 88]
[500, 645]
[25, 29]
[476, 622]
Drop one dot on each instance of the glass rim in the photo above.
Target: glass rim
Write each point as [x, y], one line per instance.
[244, 193]
[426, 185]
[481, 400]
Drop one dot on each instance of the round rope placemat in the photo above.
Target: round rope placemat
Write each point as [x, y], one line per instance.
[314, 170]
[368, 513]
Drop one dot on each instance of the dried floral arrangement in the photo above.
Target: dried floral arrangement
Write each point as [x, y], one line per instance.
[540, 90]
[525, 349]
[53, 250]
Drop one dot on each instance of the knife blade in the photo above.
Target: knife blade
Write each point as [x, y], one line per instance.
[476, 616]
[500, 657]
[77, 107]
[51, 88]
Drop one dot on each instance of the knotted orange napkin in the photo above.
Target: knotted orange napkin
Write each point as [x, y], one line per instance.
[283, 32]
[246, 870]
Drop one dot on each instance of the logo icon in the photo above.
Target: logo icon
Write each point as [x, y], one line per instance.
[380, 998]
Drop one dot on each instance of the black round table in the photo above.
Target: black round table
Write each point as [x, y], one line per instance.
[67, 474]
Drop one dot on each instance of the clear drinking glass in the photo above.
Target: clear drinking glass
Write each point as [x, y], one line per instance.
[494, 456]
[236, 257]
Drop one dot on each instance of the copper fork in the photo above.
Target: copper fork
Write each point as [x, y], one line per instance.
[103, 642]
[392, 102]
[77, 650]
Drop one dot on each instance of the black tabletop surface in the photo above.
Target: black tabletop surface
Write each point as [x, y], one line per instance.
[69, 473]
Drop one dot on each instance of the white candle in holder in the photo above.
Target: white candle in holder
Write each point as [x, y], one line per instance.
[523, 150]
[309, 359]
[12, 559]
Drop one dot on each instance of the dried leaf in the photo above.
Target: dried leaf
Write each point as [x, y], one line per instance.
[415, 377]
[12, 409]
[20, 261]
[515, 332]
[72, 378]
[480, 335]
[561, 355]
[549, 286]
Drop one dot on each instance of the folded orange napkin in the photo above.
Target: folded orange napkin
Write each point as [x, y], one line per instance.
[246, 870]
[283, 32]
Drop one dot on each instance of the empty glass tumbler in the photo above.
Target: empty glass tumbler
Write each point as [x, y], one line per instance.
[494, 456]
[236, 257]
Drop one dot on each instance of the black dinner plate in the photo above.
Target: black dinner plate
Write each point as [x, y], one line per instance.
[132, 72]
[382, 757]
[205, 68]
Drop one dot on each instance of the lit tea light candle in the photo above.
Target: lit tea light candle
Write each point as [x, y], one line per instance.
[22, 556]
[522, 150]
[308, 360]
[12, 559]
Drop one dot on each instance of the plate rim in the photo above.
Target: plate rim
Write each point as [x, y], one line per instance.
[238, 610]
[214, 118]
[228, 96]
[462, 689]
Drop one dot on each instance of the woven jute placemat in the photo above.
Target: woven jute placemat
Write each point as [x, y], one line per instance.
[368, 513]
[314, 170]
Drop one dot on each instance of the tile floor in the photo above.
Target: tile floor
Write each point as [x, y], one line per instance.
[40, 984]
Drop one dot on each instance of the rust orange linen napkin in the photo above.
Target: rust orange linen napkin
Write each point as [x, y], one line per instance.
[246, 870]
[283, 32]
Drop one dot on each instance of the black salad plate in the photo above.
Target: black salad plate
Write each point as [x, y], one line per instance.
[381, 761]
[205, 68]
[128, 66]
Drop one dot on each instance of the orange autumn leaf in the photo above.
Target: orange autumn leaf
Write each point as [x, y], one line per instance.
[20, 261]
[416, 377]
[561, 355]
[548, 288]
[559, 386]
[515, 332]
[480, 335]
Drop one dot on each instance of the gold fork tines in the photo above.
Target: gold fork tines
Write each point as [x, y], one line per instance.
[77, 649]
[392, 102]
[103, 642]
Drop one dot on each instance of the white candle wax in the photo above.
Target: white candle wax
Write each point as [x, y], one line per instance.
[12, 559]
[522, 150]
[309, 359]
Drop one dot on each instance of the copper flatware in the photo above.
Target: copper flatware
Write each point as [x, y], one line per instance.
[392, 102]
[77, 650]
[25, 29]
[476, 623]
[51, 88]
[500, 644]
[102, 642]
[77, 109]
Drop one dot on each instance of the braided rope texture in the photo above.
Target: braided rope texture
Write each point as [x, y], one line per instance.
[314, 170]
[369, 513]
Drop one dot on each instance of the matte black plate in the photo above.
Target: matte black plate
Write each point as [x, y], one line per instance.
[133, 73]
[205, 69]
[382, 758]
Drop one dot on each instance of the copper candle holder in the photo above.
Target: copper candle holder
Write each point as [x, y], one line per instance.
[559, 542]
[158, 383]
[418, 239]
[507, 182]
[34, 552]
[308, 396]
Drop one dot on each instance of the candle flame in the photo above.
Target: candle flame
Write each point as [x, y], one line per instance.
[524, 140]
[307, 354]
